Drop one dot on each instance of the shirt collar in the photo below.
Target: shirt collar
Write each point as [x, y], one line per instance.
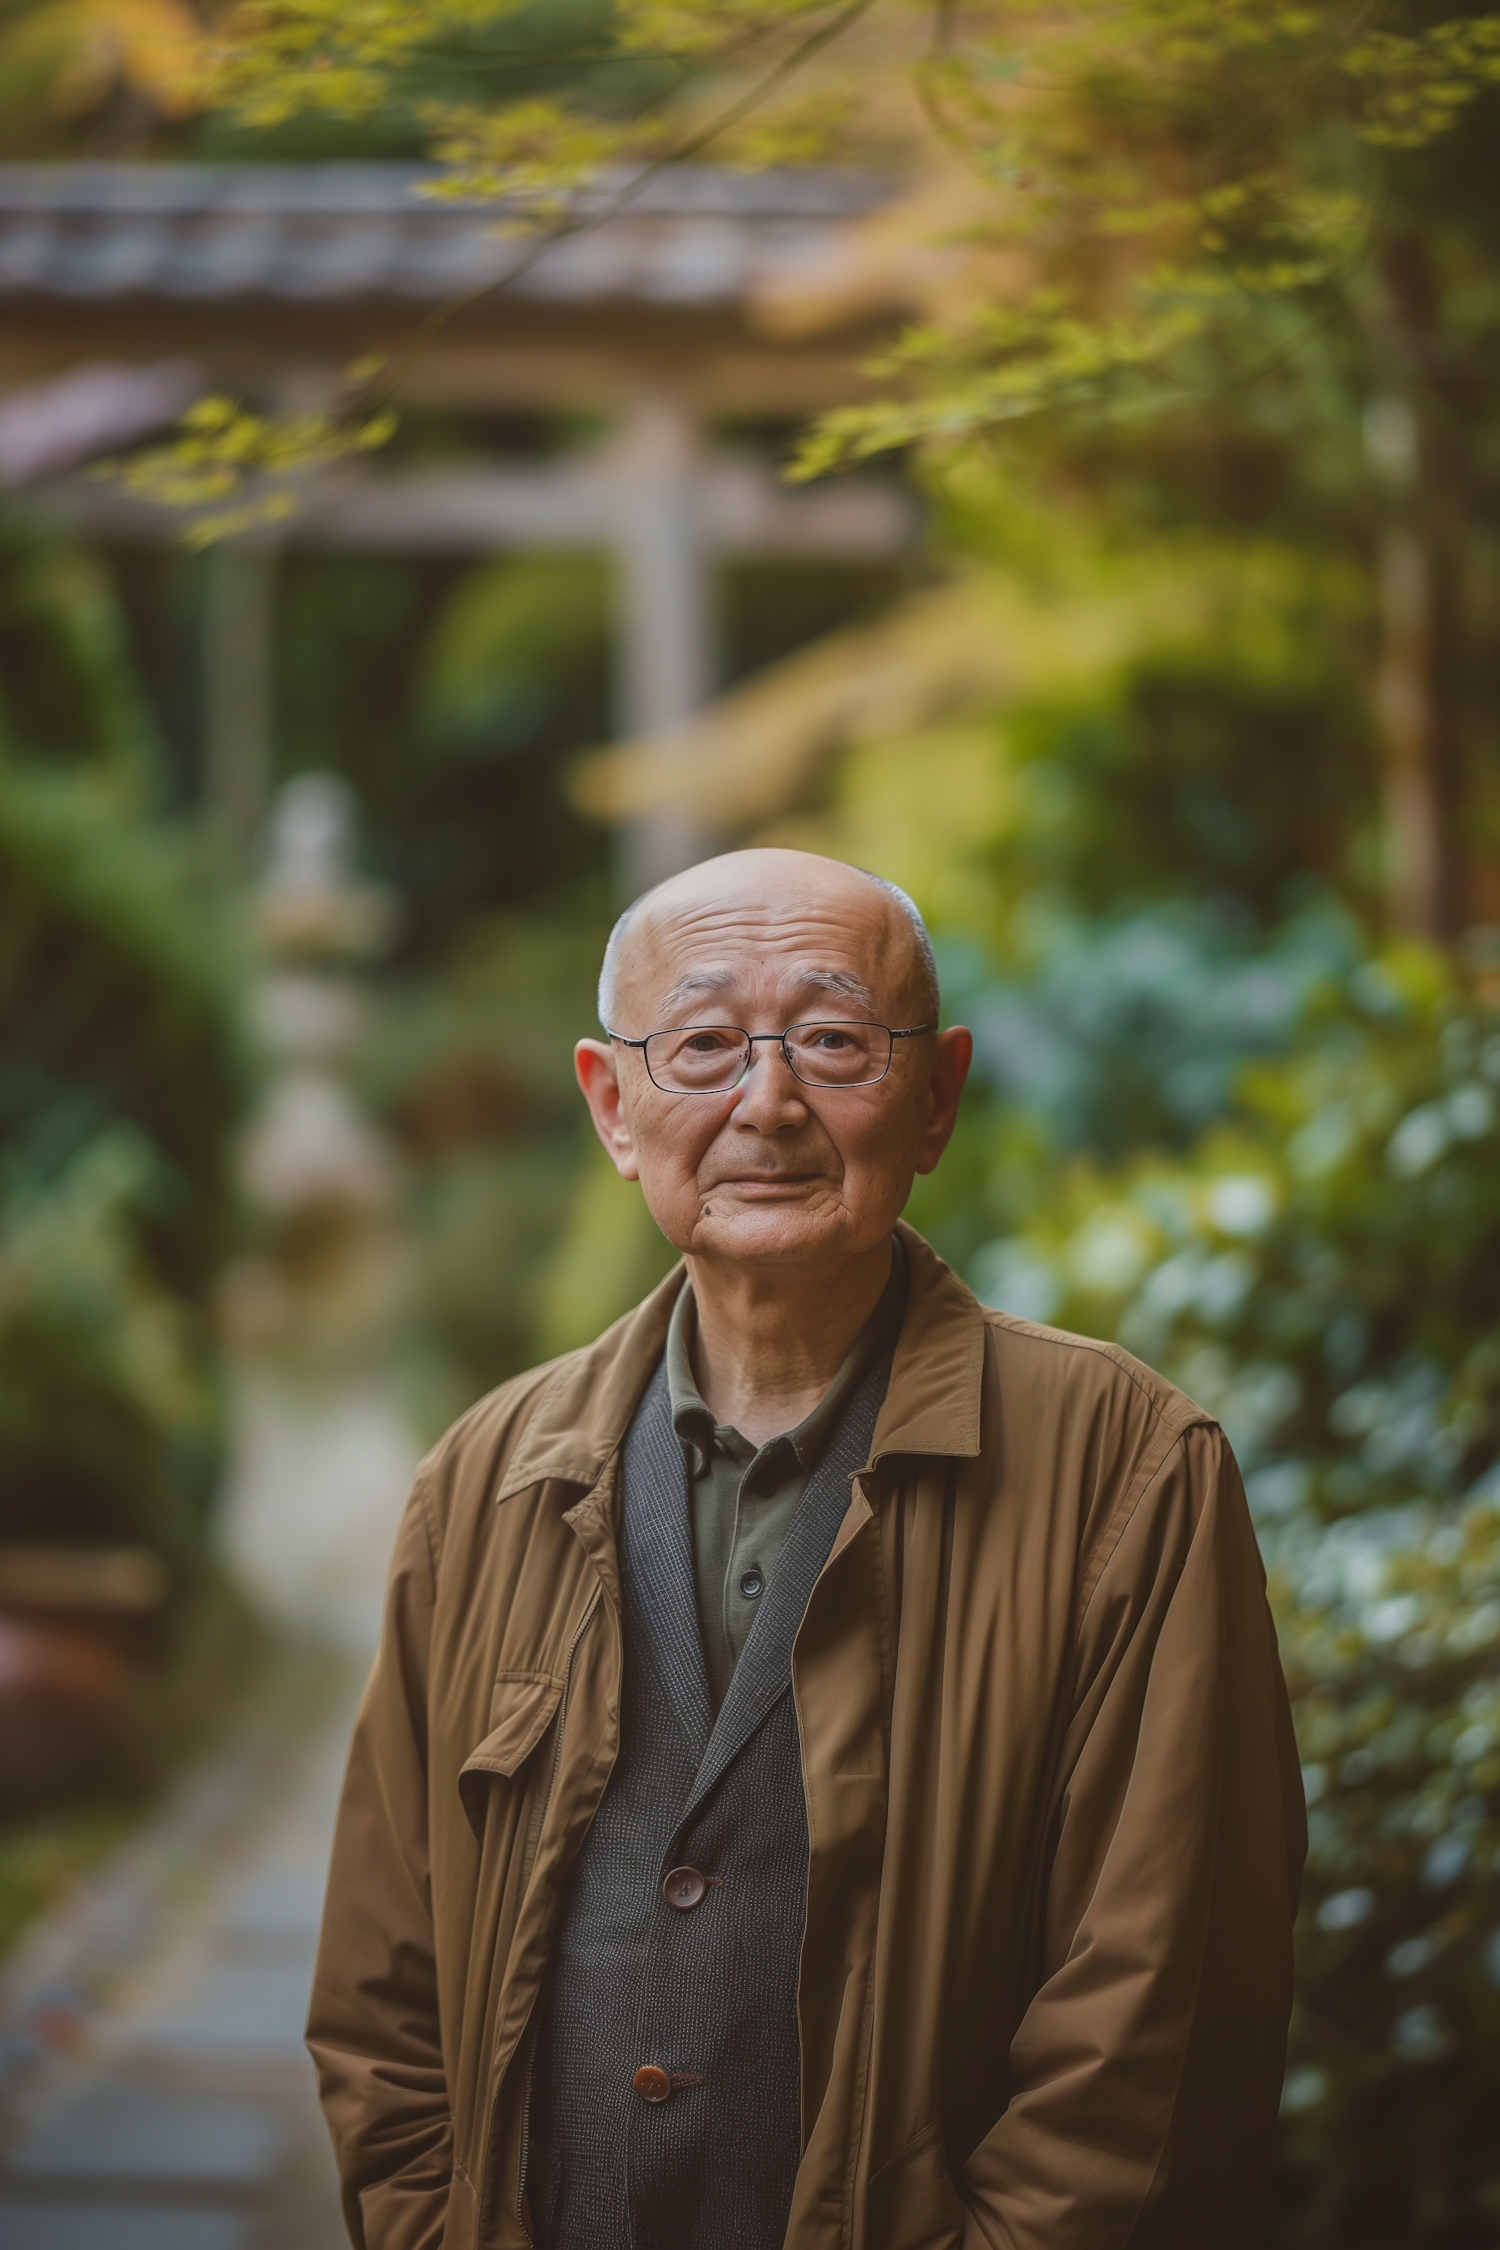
[694, 1423]
[575, 1412]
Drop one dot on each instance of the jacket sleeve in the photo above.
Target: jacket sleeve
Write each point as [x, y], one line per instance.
[373, 2024]
[1146, 2073]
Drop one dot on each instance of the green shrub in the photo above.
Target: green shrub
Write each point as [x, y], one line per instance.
[1323, 1273]
[108, 1422]
[121, 1082]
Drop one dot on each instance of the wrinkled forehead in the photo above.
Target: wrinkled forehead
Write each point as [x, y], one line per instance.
[847, 952]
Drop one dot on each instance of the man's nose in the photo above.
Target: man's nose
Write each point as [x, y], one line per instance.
[770, 1087]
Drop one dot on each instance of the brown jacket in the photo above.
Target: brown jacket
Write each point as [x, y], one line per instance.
[1052, 1796]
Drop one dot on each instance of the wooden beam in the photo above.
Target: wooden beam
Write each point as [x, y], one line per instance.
[742, 510]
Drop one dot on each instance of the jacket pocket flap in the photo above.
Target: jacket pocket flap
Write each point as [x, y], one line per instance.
[521, 1710]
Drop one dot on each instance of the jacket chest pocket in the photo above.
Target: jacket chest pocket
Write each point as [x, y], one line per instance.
[522, 1707]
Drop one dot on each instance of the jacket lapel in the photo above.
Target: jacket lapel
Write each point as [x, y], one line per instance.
[657, 1554]
[764, 1672]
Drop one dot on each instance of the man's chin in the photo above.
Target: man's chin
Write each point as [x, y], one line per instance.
[752, 1230]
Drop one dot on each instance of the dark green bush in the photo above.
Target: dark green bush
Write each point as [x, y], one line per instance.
[1323, 1273]
[121, 1081]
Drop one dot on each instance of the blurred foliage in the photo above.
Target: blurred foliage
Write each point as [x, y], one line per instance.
[1161, 202]
[68, 690]
[1074, 713]
[608, 1256]
[1322, 1271]
[224, 449]
[121, 1081]
[108, 72]
[468, 1065]
[1138, 859]
[515, 55]
[108, 1421]
[514, 644]
[1114, 208]
[1132, 1026]
[448, 693]
[114, 1010]
[445, 697]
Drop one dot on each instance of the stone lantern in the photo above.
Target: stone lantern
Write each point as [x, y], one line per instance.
[321, 1454]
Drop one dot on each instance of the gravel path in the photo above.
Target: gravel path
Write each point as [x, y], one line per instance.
[153, 2083]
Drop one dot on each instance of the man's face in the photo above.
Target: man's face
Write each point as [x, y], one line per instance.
[773, 1170]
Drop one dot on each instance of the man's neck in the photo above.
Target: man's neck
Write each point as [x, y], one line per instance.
[769, 1343]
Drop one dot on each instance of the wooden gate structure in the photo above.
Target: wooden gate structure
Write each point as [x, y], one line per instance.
[268, 281]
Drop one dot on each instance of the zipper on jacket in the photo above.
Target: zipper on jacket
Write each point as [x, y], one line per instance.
[584, 1623]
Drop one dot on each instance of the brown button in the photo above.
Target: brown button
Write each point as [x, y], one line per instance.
[685, 1888]
[652, 2083]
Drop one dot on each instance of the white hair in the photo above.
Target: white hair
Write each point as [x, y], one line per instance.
[929, 1000]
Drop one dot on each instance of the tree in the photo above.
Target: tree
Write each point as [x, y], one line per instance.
[1126, 215]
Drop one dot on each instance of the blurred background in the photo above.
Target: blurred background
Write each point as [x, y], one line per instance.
[1180, 728]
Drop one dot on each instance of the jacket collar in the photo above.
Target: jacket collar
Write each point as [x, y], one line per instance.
[931, 1405]
[582, 1415]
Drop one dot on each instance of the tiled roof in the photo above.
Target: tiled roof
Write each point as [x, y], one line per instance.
[318, 232]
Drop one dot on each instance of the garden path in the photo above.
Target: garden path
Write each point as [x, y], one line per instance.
[171, 2103]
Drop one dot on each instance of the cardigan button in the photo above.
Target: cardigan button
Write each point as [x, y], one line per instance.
[652, 2083]
[685, 1888]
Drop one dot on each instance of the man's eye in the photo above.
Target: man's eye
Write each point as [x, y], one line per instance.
[705, 1043]
[833, 1041]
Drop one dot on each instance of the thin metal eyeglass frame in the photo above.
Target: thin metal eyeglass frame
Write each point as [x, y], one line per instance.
[759, 1038]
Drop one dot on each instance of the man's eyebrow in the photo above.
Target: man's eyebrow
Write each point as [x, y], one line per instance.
[690, 987]
[844, 983]
[702, 982]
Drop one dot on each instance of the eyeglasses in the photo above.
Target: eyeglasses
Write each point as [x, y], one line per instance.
[713, 1058]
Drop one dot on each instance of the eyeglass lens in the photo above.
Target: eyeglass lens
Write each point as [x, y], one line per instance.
[709, 1059]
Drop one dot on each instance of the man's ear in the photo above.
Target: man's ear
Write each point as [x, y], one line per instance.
[597, 1065]
[953, 1051]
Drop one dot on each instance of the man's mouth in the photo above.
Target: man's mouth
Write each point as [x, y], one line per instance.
[765, 1186]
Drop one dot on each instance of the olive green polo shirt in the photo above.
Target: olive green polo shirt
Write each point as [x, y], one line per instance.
[741, 1497]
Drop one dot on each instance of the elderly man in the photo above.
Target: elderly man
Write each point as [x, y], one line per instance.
[827, 1778]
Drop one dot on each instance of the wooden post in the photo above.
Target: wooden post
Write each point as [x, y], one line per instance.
[1410, 440]
[238, 693]
[666, 670]
[1414, 697]
[1413, 850]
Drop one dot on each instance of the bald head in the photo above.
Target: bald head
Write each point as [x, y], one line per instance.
[770, 883]
[788, 1168]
